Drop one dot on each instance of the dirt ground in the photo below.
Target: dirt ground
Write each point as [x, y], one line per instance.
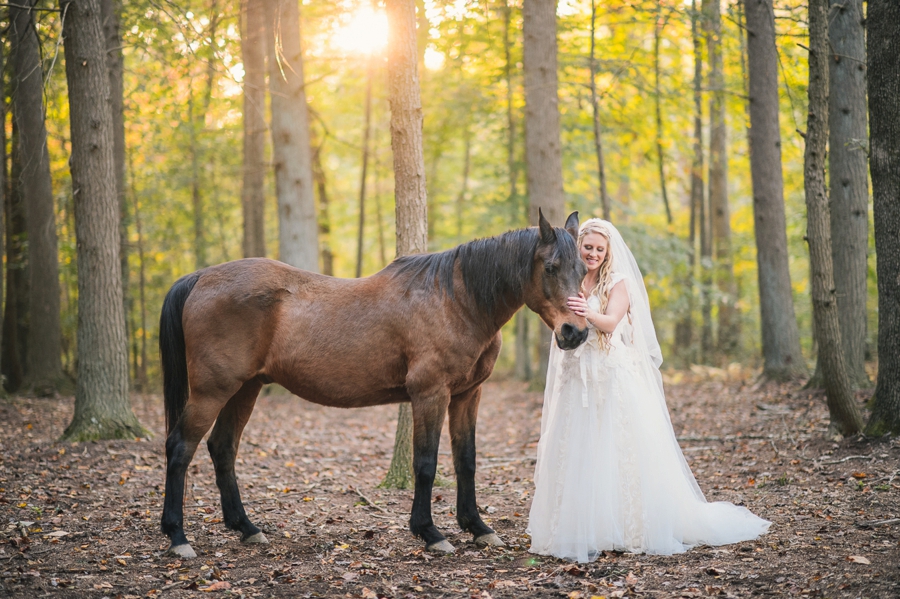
[82, 520]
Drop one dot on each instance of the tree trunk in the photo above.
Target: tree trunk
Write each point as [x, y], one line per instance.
[253, 199]
[522, 365]
[102, 406]
[43, 347]
[109, 14]
[409, 186]
[324, 219]
[848, 175]
[883, 48]
[595, 106]
[660, 157]
[297, 223]
[718, 185]
[16, 309]
[543, 150]
[698, 195]
[4, 179]
[780, 337]
[141, 374]
[367, 133]
[845, 416]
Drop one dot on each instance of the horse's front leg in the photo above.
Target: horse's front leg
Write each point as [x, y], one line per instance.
[463, 415]
[428, 418]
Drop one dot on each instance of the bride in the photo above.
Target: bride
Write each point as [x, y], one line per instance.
[610, 474]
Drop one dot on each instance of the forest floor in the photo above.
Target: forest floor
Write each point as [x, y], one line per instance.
[82, 520]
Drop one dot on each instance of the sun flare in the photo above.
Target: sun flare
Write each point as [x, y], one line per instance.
[365, 33]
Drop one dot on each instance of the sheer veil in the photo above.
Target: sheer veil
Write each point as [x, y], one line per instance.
[623, 263]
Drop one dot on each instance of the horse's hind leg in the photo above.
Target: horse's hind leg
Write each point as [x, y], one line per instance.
[223, 447]
[181, 444]
[463, 414]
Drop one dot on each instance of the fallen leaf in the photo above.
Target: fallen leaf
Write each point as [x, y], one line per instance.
[56, 534]
[219, 585]
[348, 576]
[858, 559]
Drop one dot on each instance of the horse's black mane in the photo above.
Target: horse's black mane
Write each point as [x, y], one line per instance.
[495, 270]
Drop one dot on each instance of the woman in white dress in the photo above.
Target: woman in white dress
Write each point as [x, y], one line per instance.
[610, 474]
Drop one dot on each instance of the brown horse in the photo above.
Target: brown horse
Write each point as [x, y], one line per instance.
[426, 329]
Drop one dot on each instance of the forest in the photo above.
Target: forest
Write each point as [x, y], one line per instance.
[748, 151]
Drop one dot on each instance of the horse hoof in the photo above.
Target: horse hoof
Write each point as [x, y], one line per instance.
[257, 539]
[183, 551]
[490, 540]
[441, 547]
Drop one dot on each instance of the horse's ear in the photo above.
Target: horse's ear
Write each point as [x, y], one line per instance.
[548, 235]
[572, 224]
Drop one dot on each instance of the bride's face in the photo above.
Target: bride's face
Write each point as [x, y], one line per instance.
[594, 247]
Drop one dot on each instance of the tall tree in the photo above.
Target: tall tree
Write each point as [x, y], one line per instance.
[543, 150]
[43, 347]
[253, 51]
[718, 183]
[4, 174]
[523, 349]
[595, 108]
[657, 92]
[842, 407]
[364, 171]
[409, 186]
[780, 336]
[847, 169]
[700, 214]
[15, 310]
[883, 48]
[102, 406]
[298, 243]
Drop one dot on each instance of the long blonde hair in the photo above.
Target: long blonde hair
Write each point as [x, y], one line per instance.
[604, 274]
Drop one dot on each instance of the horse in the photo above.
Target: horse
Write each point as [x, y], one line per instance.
[425, 330]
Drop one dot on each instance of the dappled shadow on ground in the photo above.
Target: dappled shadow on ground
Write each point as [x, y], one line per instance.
[81, 520]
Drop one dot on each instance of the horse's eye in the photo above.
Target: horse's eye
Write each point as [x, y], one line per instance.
[550, 269]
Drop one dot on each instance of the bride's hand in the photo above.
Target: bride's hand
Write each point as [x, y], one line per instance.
[578, 305]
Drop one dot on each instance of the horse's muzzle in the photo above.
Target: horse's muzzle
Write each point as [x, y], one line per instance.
[570, 337]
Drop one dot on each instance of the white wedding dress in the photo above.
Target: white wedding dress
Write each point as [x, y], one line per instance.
[610, 474]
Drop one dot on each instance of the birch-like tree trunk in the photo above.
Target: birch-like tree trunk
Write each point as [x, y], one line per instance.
[102, 406]
[253, 199]
[883, 48]
[297, 223]
[43, 345]
[409, 186]
[842, 407]
[543, 150]
[660, 155]
[364, 171]
[698, 192]
[780, 336]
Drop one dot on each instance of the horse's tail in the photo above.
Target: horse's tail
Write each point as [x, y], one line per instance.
[172, 350]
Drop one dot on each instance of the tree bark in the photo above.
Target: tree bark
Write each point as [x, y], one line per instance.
[297, 224]
[102, 406]
[409, 186]
[595, 106]
[4, 179]
[842, 408]
[543, 150]
[718, 185]
[780, 336]
[698, 195]
[324, 219]
[883, 48]
[15, 311]
[848, 175]
[43, 347]
[253, 199]
[367, 133]
[660, 156]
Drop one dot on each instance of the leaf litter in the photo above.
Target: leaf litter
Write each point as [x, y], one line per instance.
[82, 520]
